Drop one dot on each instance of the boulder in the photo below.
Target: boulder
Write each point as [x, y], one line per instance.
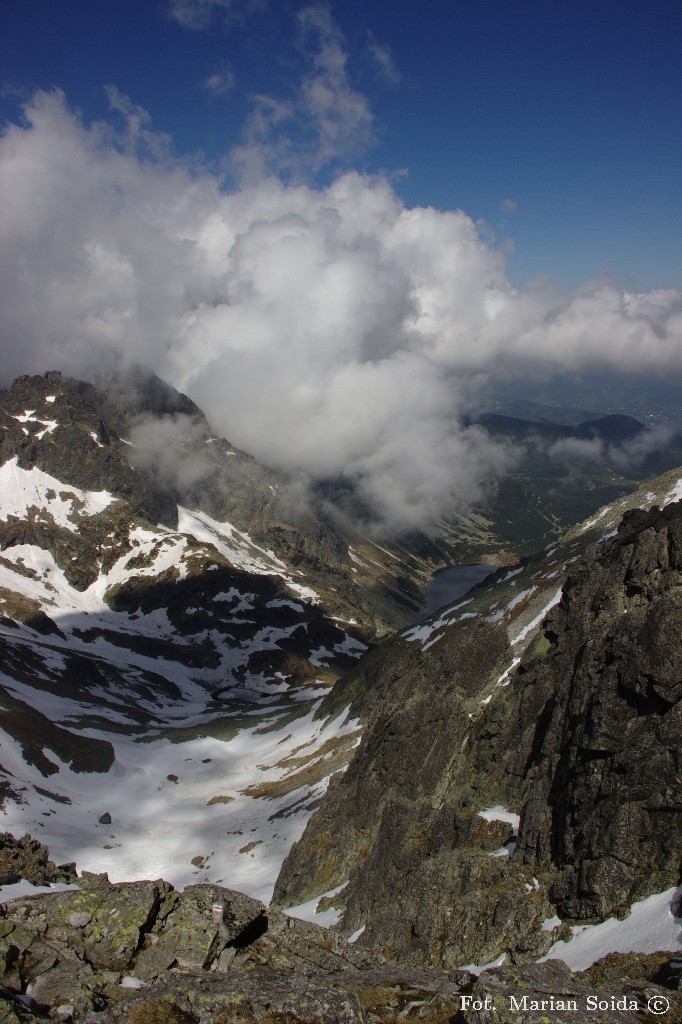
[196, 925]
[106, 923]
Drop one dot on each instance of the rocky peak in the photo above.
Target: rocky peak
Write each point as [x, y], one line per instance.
[72, 431]
[147, 444]
[139, 391]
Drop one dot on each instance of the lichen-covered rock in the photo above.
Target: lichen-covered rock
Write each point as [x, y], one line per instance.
[118, 918]
[240, 998]
[153, 961]
[662, 968]
[618, 990]
[9, 1012]
[547, 992]
[68, 983]
[197, 924]
[291, 946]
[28, 859]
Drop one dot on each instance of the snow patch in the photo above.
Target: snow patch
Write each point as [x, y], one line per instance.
[236, 546]
[556, 597]
[674, 495]
[308, 911]
[22, 489]
[480, 968]
[159, 796]
[650, 926]
[281, 602]
[306, 593]
[505, 851]
[499, 813]
[18, 890]
[429, 633]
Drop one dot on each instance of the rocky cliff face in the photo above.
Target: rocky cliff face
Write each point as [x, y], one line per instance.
[603, 765]
[508, 775]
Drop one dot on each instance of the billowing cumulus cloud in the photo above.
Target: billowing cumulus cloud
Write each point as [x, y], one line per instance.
[327, 330]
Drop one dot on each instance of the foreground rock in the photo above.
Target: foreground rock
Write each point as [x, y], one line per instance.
[551, 993]
[239, 998]
[73, 953]
[142, 953]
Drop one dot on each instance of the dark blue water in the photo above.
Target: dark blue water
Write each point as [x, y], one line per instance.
[450, 583]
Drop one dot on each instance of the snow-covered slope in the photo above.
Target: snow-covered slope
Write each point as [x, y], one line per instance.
[165, 679]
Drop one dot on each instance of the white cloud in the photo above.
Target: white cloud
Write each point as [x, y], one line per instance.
[220, 83]
[385, 63]
[198, 14]
[326, 330]
[628, 456]
[322, 121]
[340, 115]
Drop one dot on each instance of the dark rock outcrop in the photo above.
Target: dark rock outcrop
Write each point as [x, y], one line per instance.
[84, 448]
[550, 992]
[28, 859]
[603, 772]
[584, 742]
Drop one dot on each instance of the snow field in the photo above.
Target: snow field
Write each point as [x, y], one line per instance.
[175, 803]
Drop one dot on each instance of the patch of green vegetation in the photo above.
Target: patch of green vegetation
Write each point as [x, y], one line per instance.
[542, 647]
[158, 1011]
[251, 846]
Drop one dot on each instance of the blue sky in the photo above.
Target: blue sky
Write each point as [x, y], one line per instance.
[557, 123]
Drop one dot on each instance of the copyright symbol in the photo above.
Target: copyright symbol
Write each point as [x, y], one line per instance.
[658, 1004]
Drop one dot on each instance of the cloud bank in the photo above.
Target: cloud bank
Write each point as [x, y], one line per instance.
[331, 331]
